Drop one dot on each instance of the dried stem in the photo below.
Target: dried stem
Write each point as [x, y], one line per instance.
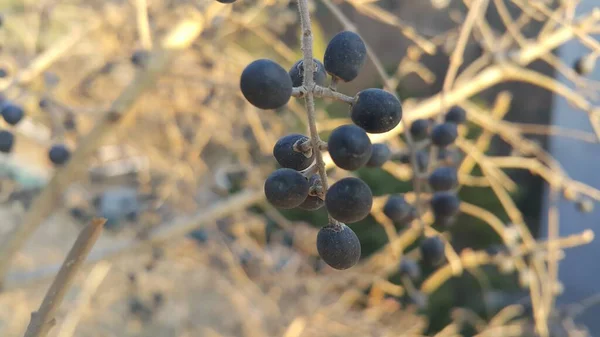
[43, 319]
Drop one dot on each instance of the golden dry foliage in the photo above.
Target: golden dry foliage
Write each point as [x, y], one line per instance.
[178, 121]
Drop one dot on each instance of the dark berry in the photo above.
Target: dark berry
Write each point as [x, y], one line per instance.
[44, 103]
[584, 65]
[59, 154]
[409, 267]
[349, 200]
[3, 73]
[297, 73]
[226, 1]
[345, 55]
[456, 115]
[398, 210]
[140, 58]
[432, 250]
[350, 147]
[199, 235]
[376, 111]
[420, 129]
[445, 204]
[443, 179]
[288, 157]
[12, 113]
[338, 246]
[379, 155]
[266, 85]
[497, 249]
[312, 203]
[286, 188]
[444, 134]
[7, 140]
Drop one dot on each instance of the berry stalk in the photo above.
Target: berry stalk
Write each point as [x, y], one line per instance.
[309, 83]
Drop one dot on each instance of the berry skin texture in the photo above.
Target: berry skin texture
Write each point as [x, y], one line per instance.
[349, 200]
[7, 140]
[409, 268]
[380, 154]
[376, 111]
[444, 134]
[443, 179]
[350, 147]
[12, 113]
[345, 55]
[312, 203]
[445, 204]
[456, 115]
[398, 210]
[286, 188]
[266, 85]
[338, 246]
[59, 154]
[432, 250]
[286, 156]
[420, 129]
[297, 73]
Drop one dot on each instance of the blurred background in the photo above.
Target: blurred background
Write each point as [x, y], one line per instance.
[191, 247]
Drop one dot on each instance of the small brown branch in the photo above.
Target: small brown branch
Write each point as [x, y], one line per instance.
[43, 319]
[322, 92]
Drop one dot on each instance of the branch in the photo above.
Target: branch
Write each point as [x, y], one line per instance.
[43, 319]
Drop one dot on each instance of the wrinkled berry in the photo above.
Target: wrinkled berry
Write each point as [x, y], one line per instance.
[286, 188]
[432, 250]
[443, 179]
[338, 246]
[376, 111]
[379, 155]
[297, 73]
[266, 85]
[350, 147]
[349, 200]
[345, 55]
[288, 157]
[444, 134]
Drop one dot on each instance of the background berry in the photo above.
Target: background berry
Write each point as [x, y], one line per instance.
[345, 55]
[12, 113]
[3, 73]
[297, 73]
[420, 129]
[444, 134]
[266, 85]
[140, 58]
[350, 147]
[376, 110]
[7, 140]
[226, 1]
[338, 246]
[445, 204]
[286, 188]
[456, 115]
[380, 153]
[398, 210]
[443, 178]
[409, 267]
[59, 154]
[432, 250]
[584, 65]
[286, 156]
[349, 200]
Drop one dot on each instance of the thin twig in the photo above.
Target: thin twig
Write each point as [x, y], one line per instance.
[43, 319]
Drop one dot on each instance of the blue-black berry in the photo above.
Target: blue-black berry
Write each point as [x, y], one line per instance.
[12, 113]
[444, 134]
[266, 85]
[376, 110]
[312, 203]
[338, 246]
[456, 115]
[226, 1]
[349, 200]
[345, 55]
[420, 129]
[297, 73]
[409, 268]
[286, 154]
[350, 147]
[445, 204]
[59, 154]
[286, 188]
[432, 250]
[398, 210]
[7, 140]
[443, 179]
[380, 154]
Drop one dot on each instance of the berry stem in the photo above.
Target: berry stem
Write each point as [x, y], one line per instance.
[308, 83]
[323, 92]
